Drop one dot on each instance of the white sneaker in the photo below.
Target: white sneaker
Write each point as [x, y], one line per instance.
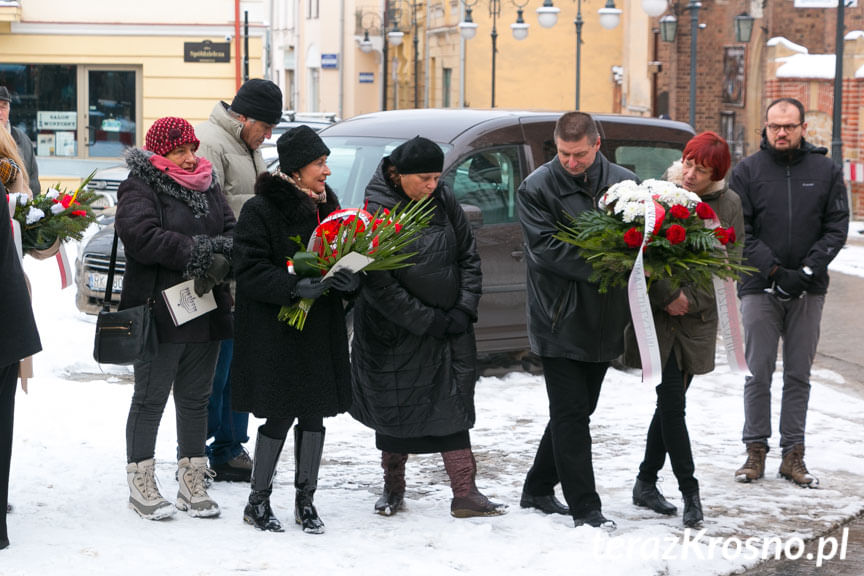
[193, 474]
[144, 496]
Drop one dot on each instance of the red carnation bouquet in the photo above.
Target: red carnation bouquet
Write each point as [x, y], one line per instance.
[355, 239]
[686, 243]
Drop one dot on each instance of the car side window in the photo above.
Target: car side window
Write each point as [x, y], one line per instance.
[646, 160]
[488, 180]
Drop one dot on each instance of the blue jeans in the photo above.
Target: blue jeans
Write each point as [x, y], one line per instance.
[228, 429]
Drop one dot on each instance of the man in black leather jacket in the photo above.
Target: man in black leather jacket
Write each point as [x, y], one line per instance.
[574, 329]
[796, 217]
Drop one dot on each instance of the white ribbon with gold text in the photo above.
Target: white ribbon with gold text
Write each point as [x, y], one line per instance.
[640, 309]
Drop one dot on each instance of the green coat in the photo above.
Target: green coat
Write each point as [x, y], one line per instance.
[692, 337]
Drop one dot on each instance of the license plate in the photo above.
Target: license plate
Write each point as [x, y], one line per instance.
[96, 281]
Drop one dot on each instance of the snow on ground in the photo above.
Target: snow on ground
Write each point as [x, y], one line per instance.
[70, 494]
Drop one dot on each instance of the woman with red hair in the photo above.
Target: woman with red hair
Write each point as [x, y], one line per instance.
[685, 319]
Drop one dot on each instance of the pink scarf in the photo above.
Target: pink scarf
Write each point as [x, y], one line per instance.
[199, 179]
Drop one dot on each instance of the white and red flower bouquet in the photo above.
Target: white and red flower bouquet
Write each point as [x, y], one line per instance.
[358, 240]
[54, 217]
[685, 244]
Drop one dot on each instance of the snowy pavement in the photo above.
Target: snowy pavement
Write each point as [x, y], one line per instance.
[69, 486]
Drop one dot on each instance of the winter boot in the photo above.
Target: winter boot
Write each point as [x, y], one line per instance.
[308, 447]
[793, 468]
[467, 500]
[754, 467]
[192, 496]
[238, 469]
[258, 512]
[647, 495]
[393, 497]
[144, 496]
[692, 516]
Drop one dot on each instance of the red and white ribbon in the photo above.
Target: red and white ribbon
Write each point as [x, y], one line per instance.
[728, 316]
[65, 269]
[16, 226]
[640, 310]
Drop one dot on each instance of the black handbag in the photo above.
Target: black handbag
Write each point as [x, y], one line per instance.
[125, 336]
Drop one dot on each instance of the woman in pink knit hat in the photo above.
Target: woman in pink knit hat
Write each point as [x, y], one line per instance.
[175, 226]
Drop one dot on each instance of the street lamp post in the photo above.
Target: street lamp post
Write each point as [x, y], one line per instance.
[609, 18]
[395, 36]
[693, 7]
[468, 28]
[837, 128]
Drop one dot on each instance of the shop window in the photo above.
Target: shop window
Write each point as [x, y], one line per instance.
[44, 105]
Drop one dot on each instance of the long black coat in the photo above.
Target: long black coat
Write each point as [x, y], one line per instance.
[162, 251]
[277, 370]
[19, 337]
[567, 315]
[407, 383]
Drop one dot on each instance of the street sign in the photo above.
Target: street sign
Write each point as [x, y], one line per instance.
[824, 3]
[330, 61]
[367, 77]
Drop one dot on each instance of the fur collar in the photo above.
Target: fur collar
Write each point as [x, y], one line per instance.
[138, 162]
[675, 175]
[291, 202]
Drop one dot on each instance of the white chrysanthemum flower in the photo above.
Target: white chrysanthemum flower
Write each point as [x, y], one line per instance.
[632, 211]
[18, 198]
[616, 191]
[52, 193]
[57, 208]
[34, 215]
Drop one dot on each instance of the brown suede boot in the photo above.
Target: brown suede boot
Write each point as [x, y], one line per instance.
[754, 467]
[467, 501]
[393, 497]
[793, 468]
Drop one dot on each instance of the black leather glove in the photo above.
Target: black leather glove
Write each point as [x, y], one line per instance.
[345, 280]
[218, 269]
[203, 285]
[790, 283]
[311, 287]
[458, 321]
[438, 328]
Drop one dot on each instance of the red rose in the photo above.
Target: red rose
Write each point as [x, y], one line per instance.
[730, 233]
[705, 212]
[679, 211]
[676, 234]
[722, 235]
[633, 238]
[397, 227]
[79, 212]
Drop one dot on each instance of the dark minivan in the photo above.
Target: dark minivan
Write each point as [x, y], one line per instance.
[487, 154]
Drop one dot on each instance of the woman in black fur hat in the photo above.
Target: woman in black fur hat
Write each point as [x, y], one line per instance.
[175, 225]
[280, 373]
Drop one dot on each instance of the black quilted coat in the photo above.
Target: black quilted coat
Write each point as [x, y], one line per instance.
[407, 383]
[277, 370]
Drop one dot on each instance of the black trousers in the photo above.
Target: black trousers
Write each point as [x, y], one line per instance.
[564, 453]
[8, 383]
[668, 431]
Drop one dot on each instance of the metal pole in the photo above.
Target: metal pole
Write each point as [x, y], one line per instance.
[579, 23]
[495, 9]
[837, 128]
[384, 55]
[245, 45]
[416, 41]
[693, 7]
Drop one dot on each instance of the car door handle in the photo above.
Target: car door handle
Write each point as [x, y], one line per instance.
[518, 254]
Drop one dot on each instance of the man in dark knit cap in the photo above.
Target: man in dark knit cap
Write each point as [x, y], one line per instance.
[230, 140]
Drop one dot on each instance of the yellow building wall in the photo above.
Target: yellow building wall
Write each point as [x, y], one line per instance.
[540, 71]
[169, 86]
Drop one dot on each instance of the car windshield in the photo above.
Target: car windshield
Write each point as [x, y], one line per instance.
[353, 160]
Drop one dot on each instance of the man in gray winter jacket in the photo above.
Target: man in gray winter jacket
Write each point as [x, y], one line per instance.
[574, 329]
[796, 216]
[231, 140]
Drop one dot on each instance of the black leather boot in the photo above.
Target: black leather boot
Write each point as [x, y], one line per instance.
[308, 447]
[258, 512]
[647, 495]
[692, 509]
